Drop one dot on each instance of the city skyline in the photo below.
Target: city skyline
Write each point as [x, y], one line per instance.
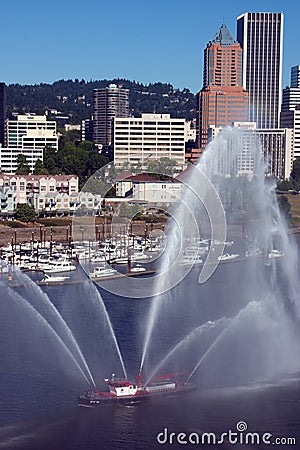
[160, 42]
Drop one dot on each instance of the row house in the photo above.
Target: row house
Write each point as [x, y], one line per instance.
[63, 203]
[25, 185]
[8, 201]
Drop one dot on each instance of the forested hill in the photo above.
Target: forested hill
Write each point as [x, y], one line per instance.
[74, 98]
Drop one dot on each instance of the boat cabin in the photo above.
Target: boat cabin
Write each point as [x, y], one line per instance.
[121, 388]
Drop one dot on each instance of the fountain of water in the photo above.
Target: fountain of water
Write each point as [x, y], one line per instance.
[45, 308]
[42, 322]
[68, 323]
[249, 346]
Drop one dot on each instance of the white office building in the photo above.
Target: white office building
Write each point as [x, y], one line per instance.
[276, 146]
[260, 35]
[9, 157]
[153, 136]
[31, 131]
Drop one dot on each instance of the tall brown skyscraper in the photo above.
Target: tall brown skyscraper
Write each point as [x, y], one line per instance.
[222, 100]
[2, 112]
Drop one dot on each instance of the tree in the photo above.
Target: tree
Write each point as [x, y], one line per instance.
[129, 211]
[50, 161]
[153, 167]
[22, 165]
[24, 212]
[95, 162]
[71, 136]
[167, 166]
[39, 168]
[295, 174]
[285, 207]
[162, 168]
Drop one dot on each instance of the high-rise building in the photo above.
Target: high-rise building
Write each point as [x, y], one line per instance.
[260, 35]
[31, 132]
[9, 158]
[222, 100]
[108, 103]
[291, 94]
[153, 136]
[290, 109]
[2, 113]
[87, 126]
[276, 146]
[295, 76]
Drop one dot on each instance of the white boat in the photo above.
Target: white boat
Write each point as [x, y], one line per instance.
[60, 266]
[99, 272]
[38, 266]
[138, 269]
[121, 260]
[98, 258]
[228, 256]
[191, 260]
[53, 279]
[276, 254]
[140, 257]
[253, 252]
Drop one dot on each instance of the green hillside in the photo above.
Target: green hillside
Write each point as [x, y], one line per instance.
[74, 98]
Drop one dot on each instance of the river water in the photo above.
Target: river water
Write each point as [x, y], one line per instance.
[38, 388]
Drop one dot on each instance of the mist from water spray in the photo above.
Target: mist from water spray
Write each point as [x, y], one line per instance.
[197, 189]
[54, 319]
[197, 332]
[93, 293]
[23, 303]
[253, 193]
[263, 307]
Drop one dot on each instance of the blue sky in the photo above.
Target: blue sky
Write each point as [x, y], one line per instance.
[161, 40]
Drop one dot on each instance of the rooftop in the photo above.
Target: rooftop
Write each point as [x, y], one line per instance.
[223, 36]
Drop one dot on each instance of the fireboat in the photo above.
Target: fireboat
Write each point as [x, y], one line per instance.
[127, 392]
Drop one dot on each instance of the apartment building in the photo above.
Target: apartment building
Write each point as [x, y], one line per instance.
[64, 203]
[8, 200]
[108, 103]
[36, 184]
[144, 188]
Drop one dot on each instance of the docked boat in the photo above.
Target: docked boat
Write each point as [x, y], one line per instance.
[53, 279]
[98, 258]
[61, 265]
[228, 256]
[191, 260]
[275, 254]
[99, 272]
[138, 268]
[128, 392]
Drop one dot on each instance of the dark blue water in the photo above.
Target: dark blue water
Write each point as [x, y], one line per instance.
[39, 383]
